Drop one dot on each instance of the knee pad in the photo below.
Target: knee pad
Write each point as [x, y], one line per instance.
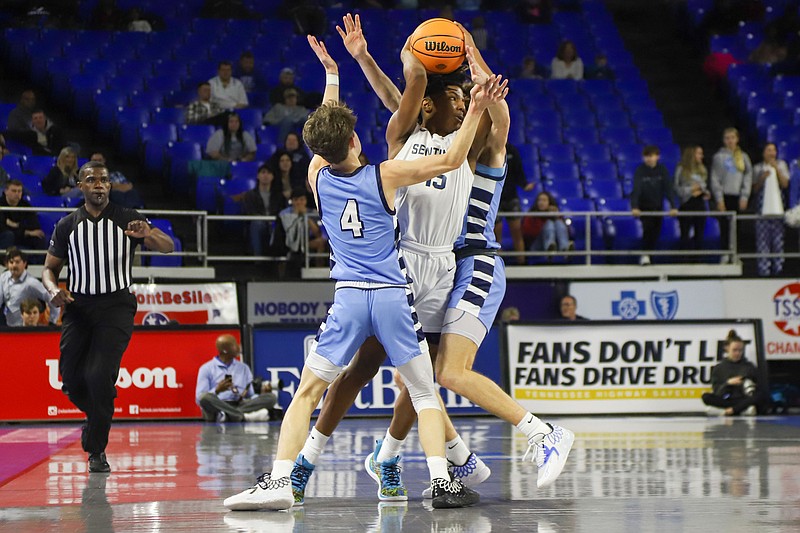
[417, 375]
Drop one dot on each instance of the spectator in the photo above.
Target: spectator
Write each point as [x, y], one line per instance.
[49, 138]
[600, 70]
[509, 200]
[285, 81]
[545, 233]
[62, 180]
[289, 116]
[292, 233]
[19, 119]
[224, 389]
[733, 382]
[509, 314]
[691, 185]
[651, 186]
[137, 23]
[231, 143]
[106, 16]
[771, 176]
[288, 179]
[16, 286]
[531, 70]
[227, 91]
[246, 73]
[479, 33]
[293, 145]
[265, 199]
[568, 306]
[204, 110]
[19, 228]
[122, 191]
[566, 64]
[31, 312]
[731, 181]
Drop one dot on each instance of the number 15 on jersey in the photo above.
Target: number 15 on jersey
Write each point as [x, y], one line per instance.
[350, 220]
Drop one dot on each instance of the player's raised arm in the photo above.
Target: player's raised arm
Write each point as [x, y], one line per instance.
[331, 95]
[493, 152]
[356, 44]
[397, 173]
[403, 121]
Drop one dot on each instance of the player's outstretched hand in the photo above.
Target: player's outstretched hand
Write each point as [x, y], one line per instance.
[479, 76]
[468, 39]
[322, 54]
[494, 90]
[353, 36]
[410, 61]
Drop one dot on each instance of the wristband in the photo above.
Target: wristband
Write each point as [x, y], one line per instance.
[331, 79]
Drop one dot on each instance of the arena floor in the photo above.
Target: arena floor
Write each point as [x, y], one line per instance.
[631, 474]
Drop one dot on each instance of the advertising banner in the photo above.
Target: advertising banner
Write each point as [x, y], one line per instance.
[192, 303]
[777, 303]
[640, 300]
[632, 367]
[157, 377]
[279, 353]
[289, 303]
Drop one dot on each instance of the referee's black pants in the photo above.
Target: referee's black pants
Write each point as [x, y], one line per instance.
[96, 331]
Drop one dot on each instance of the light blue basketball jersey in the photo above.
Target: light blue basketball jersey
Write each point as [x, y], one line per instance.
[362, 228]
[484, 201]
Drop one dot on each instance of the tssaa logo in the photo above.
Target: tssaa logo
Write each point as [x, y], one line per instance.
[787, 309]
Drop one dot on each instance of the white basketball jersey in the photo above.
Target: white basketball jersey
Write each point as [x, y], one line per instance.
[431, 213]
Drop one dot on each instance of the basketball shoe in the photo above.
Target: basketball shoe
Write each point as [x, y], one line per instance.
[471, 473]
[386, 475]
[267, 493]
[550, 453]
[301, 471]
[448, 494]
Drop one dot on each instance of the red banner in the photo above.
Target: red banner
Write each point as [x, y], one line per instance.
[157, 377]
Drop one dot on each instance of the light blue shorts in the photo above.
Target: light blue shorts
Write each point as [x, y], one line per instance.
[357, 314]
[480, 286]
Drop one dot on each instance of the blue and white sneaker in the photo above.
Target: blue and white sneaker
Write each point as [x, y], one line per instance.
[550, 454]
[301, 471]
[472, 473]
[386, 475]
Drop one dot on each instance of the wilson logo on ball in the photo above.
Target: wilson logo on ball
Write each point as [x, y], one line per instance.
[441, 46]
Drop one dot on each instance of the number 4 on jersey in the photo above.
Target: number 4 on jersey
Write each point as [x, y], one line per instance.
[350, 220]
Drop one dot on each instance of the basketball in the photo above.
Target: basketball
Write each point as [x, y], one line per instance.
[439, 45]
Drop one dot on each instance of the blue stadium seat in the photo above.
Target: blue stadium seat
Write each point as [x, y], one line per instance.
[542, 135]
[251, 118]
[599, 170]
[268, 134]
[592, 152]
[167, 115]
[48, 219]
[624, 233]
[129, 83]
[669, 239]
[784, 84]
[780, 134]
[155, 138]
[264, 151]
[147, 99]
[178, 155]
[206, 193]
[196, 133]
[164, 83]
[656, 136]
[647, 118]
[564, 188]
[529, 155]
[581, 135]
[577, 204]
[231, 189]
[603, 188]
[556, 152]
[39, 165]
[578, 117]
[528, 198]
[244, 170]
[548, 118]
[711, 236]
[628, 152]
[615, 136]
[560, 170]
[613, 205]
[12, 164]
[168, 260]
[47, 201]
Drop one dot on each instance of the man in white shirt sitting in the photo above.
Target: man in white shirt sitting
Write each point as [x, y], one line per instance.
[227, 91]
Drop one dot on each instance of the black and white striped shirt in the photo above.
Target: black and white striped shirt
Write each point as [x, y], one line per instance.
[99, 253]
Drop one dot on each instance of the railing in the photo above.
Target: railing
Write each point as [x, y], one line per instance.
[205, 225]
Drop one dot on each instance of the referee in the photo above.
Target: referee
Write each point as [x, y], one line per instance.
[98, 240]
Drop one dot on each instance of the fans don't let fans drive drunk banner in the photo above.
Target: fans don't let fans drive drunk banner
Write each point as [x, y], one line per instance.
[633, 367]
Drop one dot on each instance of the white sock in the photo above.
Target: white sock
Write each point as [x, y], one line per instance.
[314, 445]
[390, 448]
[457, 451]
[282, 468]
[438, 468]
[533, 428]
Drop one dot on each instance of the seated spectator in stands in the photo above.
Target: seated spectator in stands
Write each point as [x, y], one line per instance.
[225, 390]
[535, 11]
[768, 52]
[289, 116]
[19, 228]
[106, 16]
[770, 178]
[734, 389]
[531, 70]
[566, 64]
[731, 182]
[691, 185]
[137, 23]
[569, 308]
[231, 143]
[509, 201]
[246, 72]
[122, 191]
[17, 285]
[545, 233]
[227, 91]
[19, 119]
[265, 199]
[286, 175]
[291, 234]
[600, 70]
[204, 110]
[285, 81]
[49, 138]
[293, 145]
[651, 186]
[62, 180]
[31, 312]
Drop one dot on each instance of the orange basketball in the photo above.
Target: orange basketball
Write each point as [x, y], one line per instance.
[439, 45]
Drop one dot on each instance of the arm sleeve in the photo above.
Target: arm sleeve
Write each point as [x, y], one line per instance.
[58, 241]
[717, 170]
[747, 178]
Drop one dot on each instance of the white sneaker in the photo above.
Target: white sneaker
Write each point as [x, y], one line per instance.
[550, 454]
[258, 522]
[472, 473]
[644, 260]
[714, 411]
[750, 411]
[724, 259]
[262, 415]
[267, 493]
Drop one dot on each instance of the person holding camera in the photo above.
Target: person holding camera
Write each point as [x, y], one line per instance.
[225, 391]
